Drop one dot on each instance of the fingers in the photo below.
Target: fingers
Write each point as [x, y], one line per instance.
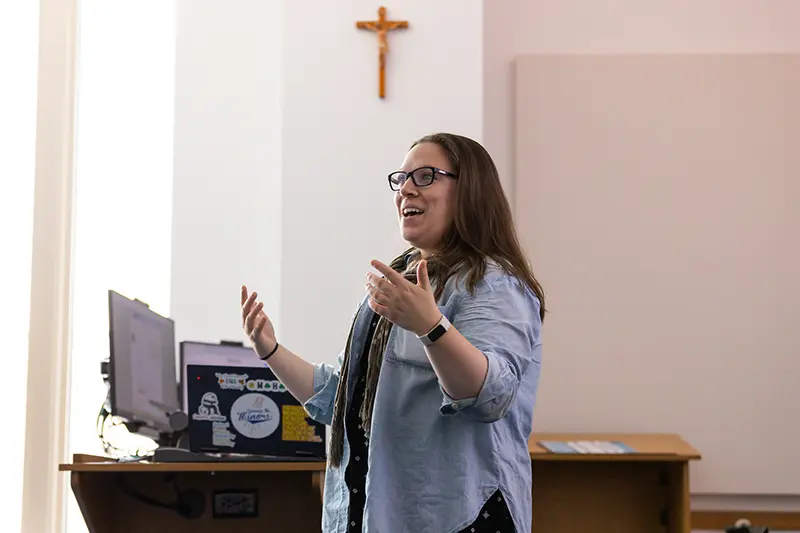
[378, 308]
[262, 321]
[247, 305]
[422, 275]
[376, 294]
[379, 283]
[244, 294]
[250, 321]
[393, 276]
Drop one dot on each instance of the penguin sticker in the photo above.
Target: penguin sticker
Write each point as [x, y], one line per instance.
[209, 409]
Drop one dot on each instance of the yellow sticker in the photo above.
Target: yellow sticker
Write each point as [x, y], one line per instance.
[295, 426]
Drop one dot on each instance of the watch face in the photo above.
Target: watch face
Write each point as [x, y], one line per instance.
[437, 332]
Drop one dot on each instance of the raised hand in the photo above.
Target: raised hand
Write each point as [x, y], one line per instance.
[408, 305]
[256, 324]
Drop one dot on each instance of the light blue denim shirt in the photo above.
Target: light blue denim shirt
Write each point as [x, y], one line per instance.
[433, 462]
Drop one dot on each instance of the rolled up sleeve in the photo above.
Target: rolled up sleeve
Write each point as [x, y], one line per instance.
[326, 380]
[501, 319]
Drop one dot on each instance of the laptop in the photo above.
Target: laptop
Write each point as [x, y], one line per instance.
[246, 410]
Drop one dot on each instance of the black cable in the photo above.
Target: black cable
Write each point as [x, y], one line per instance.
[103, 416]
[138, 496]
[188, 503]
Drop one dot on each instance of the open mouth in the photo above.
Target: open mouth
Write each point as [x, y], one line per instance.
[412, 212]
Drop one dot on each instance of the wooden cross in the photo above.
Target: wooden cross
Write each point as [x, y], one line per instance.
[381, 27]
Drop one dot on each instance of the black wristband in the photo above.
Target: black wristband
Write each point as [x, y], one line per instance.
[270, 354]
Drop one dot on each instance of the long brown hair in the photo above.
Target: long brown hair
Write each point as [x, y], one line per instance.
[483, 227]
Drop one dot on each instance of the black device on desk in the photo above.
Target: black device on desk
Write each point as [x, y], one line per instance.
[246, 410]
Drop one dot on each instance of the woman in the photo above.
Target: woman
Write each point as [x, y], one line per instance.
[431, 403]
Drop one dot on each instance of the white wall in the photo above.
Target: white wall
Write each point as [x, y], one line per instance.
[282, 148]
[341, 141]
[226, 224]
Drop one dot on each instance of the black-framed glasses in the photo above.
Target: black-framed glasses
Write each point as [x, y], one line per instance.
[422, 177]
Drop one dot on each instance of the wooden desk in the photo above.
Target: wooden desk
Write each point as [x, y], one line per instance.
[629, 493]
[646, 492]
[288, 495]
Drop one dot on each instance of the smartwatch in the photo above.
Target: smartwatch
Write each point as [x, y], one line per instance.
[436, 333]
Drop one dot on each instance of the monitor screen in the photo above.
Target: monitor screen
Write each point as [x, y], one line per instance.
[144, 387]
[207, 354]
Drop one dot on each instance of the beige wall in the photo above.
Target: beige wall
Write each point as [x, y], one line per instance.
[521, 27]
[657, 196]
[518, 27]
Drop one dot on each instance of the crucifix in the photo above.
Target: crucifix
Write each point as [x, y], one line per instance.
[381, 27]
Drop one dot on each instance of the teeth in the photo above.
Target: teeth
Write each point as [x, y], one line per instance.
[411, 211]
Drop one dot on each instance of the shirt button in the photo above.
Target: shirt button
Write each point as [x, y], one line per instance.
[355, 491]
[358, 458]
[353, 524]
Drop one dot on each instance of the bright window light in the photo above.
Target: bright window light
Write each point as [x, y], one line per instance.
[123, 181]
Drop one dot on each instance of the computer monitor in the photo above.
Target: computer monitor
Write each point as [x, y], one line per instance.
[208, 354]
[142, 377]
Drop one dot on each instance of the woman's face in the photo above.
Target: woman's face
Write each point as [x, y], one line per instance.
[426, 213]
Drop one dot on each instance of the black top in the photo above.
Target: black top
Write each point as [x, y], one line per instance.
[494, 517]
[355, 476]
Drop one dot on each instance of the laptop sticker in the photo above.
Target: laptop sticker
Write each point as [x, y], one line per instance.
[255, 415]
[231, 381]
[296, 427]
[221, 435]
[209, 409]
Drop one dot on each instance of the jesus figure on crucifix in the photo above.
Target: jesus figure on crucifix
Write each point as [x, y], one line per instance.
[381, 27]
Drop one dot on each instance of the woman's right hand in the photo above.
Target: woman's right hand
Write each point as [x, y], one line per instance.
[257, 325]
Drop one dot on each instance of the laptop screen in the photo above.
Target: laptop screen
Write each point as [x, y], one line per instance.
[236, 409]
[202, 353]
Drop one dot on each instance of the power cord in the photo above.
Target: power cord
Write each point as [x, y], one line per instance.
[189, 503]
[106, 421]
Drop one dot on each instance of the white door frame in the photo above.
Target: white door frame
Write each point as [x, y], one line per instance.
[45, 489]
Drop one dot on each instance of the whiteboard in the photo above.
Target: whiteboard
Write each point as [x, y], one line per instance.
[658, 198]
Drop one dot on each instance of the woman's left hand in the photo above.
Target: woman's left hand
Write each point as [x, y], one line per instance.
[405, 304]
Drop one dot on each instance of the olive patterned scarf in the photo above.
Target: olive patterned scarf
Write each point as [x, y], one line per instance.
[377, 346]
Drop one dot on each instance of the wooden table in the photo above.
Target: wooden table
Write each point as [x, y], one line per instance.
[110, 495]
[645, 492]
[629, 493]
